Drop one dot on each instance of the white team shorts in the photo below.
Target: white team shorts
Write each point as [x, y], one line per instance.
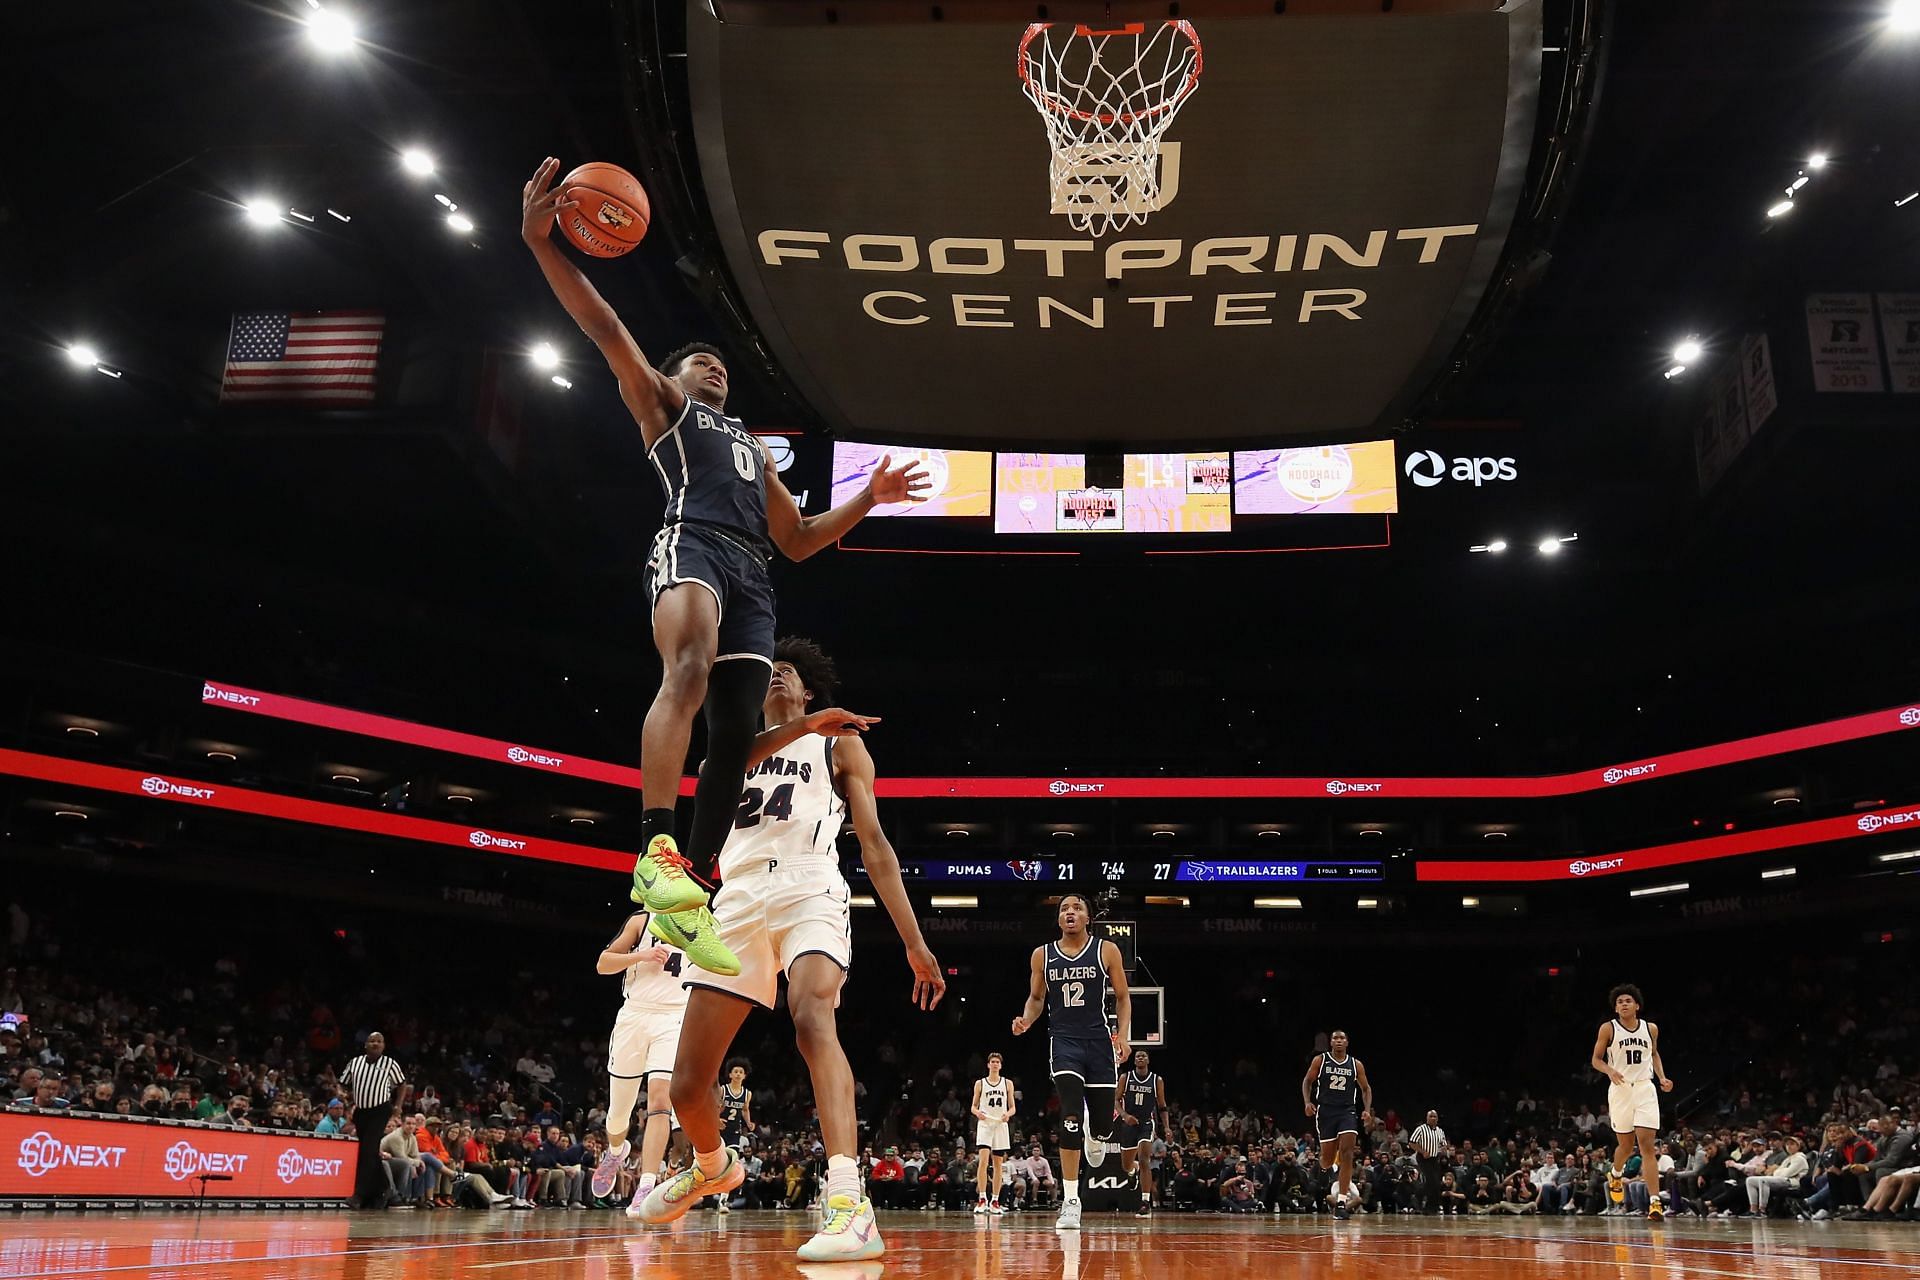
[996, 1137]
[1635, 1105]
[644, 1041]
[773, 912]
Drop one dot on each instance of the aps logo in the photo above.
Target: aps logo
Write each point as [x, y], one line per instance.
[1427, 468]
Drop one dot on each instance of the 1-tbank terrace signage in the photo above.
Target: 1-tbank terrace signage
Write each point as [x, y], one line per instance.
[1331, 202]
[45, 1156]
[1593, 866]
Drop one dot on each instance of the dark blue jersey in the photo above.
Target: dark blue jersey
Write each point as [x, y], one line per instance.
[1076, 993]
[713, 471]
[1338, 1084]
[1142, 1100]
[731, 1106]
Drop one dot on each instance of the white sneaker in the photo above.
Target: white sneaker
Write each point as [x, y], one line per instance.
[1096, 1150]
[980, 1205]
[675, 1195]
[1069, 1219]
[608, 1170]
[724, 1206]
[996, 1209]
[849, 1234]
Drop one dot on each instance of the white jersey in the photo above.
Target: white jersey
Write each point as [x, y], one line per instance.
[1631, 1052]
[789, 810]
[656, 986]
[996, 1099]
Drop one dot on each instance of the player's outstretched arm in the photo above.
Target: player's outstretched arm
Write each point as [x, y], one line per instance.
[1599, 1061]
[1036, 993]
[652, 398]
[834, 722]
[800, 536]
[853, 765]
[1122, 998]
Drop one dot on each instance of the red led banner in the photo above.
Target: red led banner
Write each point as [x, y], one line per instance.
[49, 1155]
[218, 795]
[1818, 831]
[1873, 723]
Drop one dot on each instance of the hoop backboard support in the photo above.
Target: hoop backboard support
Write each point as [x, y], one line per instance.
[1149, 1017]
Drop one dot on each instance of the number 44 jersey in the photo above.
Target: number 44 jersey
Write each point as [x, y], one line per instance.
[790, 810]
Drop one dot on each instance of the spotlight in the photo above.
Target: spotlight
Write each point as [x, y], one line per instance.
[562, 383]
[1674, 372]
[83, 355]
[1817, 161]
[1497, 546]
[544, 356]
[1906, 199]
[1688, 351]
[1903, 15]
[1549, 546]
[331, 31]
[460, 222]
[416, 161]
[263, 213]
[1798, 183]
[1780, 210]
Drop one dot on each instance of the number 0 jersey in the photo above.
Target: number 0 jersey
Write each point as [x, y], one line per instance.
[1076, 993]
[713, 470]
[1631, 1053]
[790, 809]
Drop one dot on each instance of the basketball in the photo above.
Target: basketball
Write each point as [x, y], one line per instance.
[611, 210]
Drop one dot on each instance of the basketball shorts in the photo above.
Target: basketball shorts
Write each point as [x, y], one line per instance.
[996, 1137]
[725, 564]
[1134, 1132]
[1091, 1060]
[770, 918]
[737, 1137]
[1634, 1105]
[644, 1041]
[1330, 1122]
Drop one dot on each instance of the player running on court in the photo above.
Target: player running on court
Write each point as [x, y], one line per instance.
[993, 1108]
[1143, 1117]
[1627, 1053]
[784, 907]
[1339, 1099]
[646, 1032]
[713, 615]
[1070, 979]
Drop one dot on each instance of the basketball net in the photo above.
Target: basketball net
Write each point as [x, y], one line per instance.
[1107, 98]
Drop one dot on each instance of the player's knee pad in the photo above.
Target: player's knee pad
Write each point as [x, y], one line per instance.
[1100, 1111]
[1073, 1096]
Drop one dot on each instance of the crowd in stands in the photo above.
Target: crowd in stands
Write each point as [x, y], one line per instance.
[1811, 1117]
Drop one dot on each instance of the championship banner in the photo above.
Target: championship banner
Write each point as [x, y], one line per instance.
[1900, 327]
[1207, 228]
[1844, 344]
[50, 1155]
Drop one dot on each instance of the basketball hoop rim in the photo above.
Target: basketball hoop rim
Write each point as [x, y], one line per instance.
[1081, 29]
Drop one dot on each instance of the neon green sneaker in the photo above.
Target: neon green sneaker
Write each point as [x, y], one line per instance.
[696, 933]
[662, 879]
[671, 1199]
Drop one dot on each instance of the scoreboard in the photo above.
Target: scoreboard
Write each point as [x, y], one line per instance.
[1114, 871]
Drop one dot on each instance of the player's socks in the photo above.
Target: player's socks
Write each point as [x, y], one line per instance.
[843, 1178]
[1072, 1186]
[711, 1163]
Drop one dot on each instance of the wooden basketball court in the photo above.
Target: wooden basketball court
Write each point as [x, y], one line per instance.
[557, 1245]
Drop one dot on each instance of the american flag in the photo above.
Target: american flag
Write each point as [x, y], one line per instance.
[316, 357]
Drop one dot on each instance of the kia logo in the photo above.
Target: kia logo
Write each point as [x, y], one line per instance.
[1910, 717]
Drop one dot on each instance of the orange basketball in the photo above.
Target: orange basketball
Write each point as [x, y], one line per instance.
[611, 211]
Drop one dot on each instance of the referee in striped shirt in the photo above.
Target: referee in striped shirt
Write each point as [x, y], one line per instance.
[1430, 1141]
[371, 1081]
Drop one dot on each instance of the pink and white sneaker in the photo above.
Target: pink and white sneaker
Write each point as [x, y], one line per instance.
[849, 1234]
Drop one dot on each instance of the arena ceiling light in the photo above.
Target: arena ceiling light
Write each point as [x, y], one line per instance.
[460, 222]
[1674, 372]
[862, 900]
[1906, 199]
[1469, 902]
[955, 900]
[1655, 890]
[544, 356]
[1781, 209]
[331, 31]
[1368, 904]
[1908, 856]
[1277, 904]
[564, 383]
[1779, 873]
[418, 161]
[1687, 351]
[1817, 161]
[83, 356]
[1493, 548]
[262, 212]
[1903, 16]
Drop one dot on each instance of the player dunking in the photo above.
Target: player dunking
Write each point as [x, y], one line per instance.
[706, 578]
[993, 1108]
[783, 906]
[1340, 1100]
[1627, 1053]
[646, 1033]
[1143, 1117]
[1070, 979]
